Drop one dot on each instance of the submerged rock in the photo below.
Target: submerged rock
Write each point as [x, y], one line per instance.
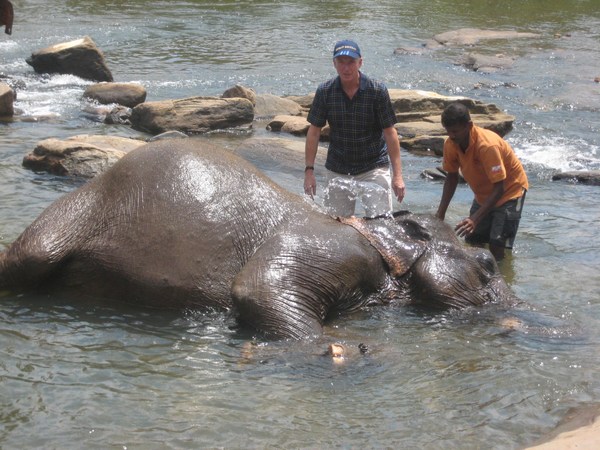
[486, 63]
[591, 177]
[126, 94]
[471, 36]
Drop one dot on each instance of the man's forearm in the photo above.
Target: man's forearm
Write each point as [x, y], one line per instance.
[312, 143]
[447, 194]
[393, 147]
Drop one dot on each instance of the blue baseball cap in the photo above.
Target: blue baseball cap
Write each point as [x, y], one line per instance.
[346, 48]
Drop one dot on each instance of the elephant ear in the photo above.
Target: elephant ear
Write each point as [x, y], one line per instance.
[400, 241]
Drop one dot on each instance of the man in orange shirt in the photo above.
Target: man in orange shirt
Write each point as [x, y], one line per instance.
[494, 173]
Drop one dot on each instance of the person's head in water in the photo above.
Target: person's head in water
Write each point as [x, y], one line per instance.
[457, 122]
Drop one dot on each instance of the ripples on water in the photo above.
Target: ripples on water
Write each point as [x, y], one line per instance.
[99, 376]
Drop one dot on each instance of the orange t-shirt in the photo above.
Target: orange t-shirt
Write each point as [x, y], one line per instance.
[488, 159]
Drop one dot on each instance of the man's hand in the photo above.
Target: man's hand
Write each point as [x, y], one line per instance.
[465, 227]
[310, 183]
[399, 188]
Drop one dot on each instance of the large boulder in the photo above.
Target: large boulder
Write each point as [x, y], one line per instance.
[269, 105]
[126, 94]
[80, 57]
[82, 156]
[410, 104]
[420, 123]
[193, 115]
[239, 91]
[7, 98]
[305, 101]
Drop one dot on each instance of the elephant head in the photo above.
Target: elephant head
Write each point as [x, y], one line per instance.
[299, 279]
[429, 264]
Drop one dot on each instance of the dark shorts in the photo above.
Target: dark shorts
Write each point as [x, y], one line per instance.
[499, 227]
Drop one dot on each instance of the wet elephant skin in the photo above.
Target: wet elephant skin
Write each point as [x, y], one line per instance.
[183, 224]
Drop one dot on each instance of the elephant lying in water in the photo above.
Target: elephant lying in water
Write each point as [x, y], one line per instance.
[183, 224]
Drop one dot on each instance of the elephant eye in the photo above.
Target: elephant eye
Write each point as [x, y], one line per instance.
[486, 261]
[415, 230]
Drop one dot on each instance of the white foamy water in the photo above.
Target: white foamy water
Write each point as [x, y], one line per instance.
[560, 154]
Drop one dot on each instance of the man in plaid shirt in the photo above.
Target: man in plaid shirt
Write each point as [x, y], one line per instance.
[363, 141]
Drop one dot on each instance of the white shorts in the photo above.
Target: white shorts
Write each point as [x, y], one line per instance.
[373, 188]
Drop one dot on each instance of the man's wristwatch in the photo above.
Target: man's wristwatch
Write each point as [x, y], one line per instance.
[309, 168]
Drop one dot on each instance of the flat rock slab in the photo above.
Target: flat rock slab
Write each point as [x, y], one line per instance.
[471, 36]
[81, 156]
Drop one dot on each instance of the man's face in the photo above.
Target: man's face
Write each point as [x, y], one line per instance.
[347, 67]
[459, 134]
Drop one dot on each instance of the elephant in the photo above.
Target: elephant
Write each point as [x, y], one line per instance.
[180, 223]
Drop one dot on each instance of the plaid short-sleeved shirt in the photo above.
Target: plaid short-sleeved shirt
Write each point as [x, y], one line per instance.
[356, 126]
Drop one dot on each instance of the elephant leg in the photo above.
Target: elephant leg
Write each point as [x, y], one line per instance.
[291, 284]
[274, 304]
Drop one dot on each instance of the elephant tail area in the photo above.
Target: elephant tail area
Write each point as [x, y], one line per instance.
[23, 272]
[6, 279]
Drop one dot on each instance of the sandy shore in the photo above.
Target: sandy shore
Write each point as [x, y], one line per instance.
[580, 429]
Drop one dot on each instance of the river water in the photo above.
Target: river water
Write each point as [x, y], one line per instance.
[94, 376]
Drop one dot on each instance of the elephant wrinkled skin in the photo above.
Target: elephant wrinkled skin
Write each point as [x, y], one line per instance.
[180, 223]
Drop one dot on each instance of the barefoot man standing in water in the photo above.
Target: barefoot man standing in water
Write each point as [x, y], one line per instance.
[363, 142]
[494, 173]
